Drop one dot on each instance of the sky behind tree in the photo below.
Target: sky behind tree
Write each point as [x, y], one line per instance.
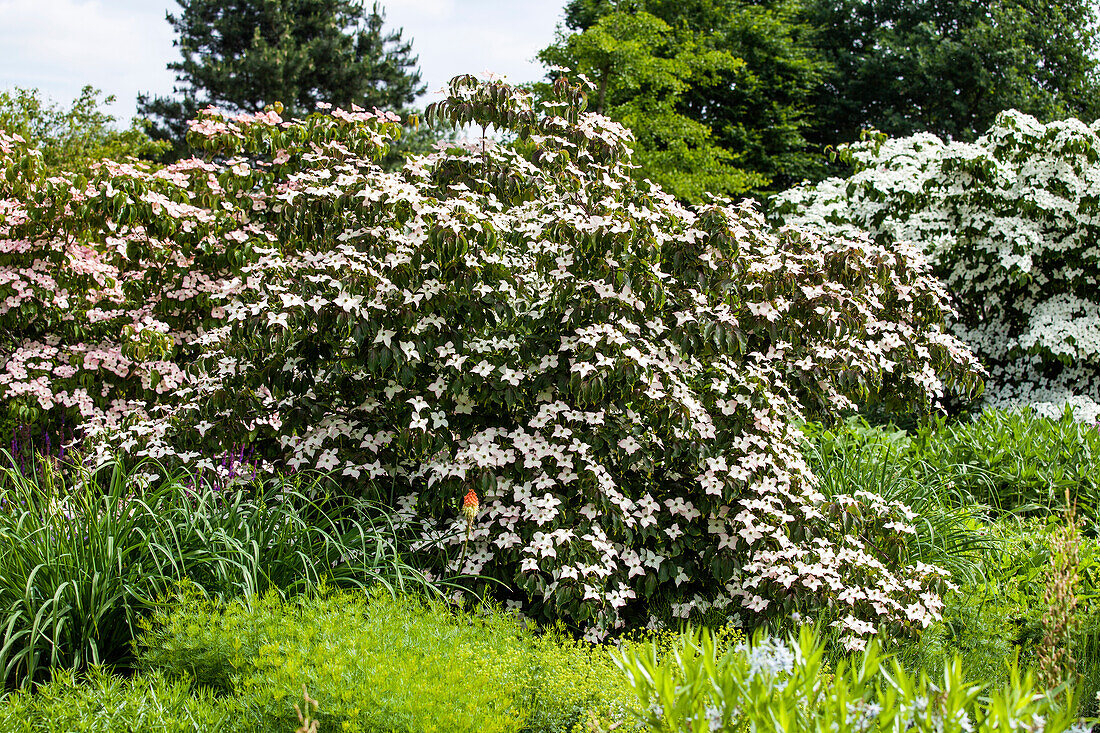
[123, 46]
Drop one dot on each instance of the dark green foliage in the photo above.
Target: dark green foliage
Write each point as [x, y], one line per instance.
[383, 664]
[73, 139]
[715, 91]
[80, 563]
[247, 54]
[950, 66]
[728, 96]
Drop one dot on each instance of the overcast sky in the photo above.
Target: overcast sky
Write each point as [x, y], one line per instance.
[122, 46]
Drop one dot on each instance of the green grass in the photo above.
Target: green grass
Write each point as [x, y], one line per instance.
[82, 560]
[949, 532]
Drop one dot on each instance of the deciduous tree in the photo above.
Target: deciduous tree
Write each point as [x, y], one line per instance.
[74, 138]
[950, 66]
[715, 91]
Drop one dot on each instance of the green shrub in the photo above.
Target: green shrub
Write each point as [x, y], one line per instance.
[1017, 462]
[80, 562]
[376, 663]
[1009, 224]
[77, 138]
[1007, 459]
[882, 471]
[784, 685]
[101, 703]
[612, 373]
[855, 433]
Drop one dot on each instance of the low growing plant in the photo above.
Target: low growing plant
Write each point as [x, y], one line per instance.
[783, 684]
[1018, 460]
[98, 702]
[382, 663]
[83, 558]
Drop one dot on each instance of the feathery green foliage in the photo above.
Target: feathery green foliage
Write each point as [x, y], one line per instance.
[378, 663]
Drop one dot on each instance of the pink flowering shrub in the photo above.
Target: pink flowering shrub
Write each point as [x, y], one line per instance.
[618, 376]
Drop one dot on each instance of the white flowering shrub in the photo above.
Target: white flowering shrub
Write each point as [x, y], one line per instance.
[616, 376]
[1011, 224]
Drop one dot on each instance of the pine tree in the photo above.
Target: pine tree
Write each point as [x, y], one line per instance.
[242, 55]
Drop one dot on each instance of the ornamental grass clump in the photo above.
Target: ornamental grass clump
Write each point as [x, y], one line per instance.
[85, 555]
[617, 376]
[1010, 224]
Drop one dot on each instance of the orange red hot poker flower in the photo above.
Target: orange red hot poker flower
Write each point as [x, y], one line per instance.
[470, 505]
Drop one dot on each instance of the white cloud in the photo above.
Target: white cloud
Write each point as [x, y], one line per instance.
[472, 36]
[424, 8]
[59, 46]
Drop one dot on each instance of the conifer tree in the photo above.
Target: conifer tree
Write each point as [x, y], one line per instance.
[241, 55]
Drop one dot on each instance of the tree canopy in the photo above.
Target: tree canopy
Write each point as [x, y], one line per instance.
[715, 91]
[246, 54]
[734, 96]
[950, 66]
[74, 138]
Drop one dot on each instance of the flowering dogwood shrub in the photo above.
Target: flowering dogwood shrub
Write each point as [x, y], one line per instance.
[1011, 224]
[617, 376]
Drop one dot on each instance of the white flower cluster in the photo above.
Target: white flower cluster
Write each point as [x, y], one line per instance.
[1012, 225]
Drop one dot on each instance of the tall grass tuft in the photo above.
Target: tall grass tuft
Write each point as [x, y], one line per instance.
[83, 558]
[948, 531]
